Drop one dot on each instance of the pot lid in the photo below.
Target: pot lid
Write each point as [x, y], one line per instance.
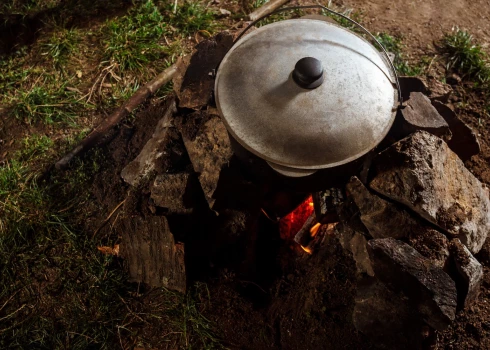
[305, 94]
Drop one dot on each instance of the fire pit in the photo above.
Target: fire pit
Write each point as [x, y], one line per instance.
[410, 215]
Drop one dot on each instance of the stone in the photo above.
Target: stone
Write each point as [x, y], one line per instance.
[387, 318]
[411, 84]
[470, 273]
[422, 173]
[431, 291]
[326, 203]
[381, 218]
[419, 114]
[154, 151]
[171, 191]
[208, 145]
[432, 244]
[150, 252]
[356, 244]
[484, 254]
[195, 88]
[464, 141]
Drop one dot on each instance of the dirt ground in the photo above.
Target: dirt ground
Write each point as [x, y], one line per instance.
[290, 300]
[421, 22]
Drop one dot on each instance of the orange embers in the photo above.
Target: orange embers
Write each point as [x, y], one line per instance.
[290, 224]
[314, 229]
[306, 249]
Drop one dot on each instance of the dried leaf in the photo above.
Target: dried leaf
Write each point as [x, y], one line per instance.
[109, 251]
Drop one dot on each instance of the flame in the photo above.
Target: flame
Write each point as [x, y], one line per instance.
[290, 224]
[306, 249]
[314, 229]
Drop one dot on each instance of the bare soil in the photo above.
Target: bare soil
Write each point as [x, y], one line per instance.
[421, 22]
[291, 300]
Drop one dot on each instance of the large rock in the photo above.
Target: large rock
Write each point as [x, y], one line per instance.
[387, 318]
[464, 141]
[419, 114]
[195, 87]
[430, 289]
[411, 84]
[171, 191]
[155, 150]
[421, 172]
[382, 218]
[470, 273]
[356, 244]
[208, 145]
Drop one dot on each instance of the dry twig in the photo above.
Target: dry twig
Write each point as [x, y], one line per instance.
[266, 9]
[97, 135]
[108, 218]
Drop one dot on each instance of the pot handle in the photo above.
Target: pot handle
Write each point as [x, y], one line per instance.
[367, 32]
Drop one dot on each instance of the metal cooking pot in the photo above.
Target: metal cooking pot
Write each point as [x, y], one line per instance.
[306, 95]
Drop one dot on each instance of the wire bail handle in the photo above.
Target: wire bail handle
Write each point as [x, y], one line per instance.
[386, 56]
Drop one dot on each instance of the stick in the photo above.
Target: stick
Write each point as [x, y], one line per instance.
[266, 9]
[108, 218]
[97, 135]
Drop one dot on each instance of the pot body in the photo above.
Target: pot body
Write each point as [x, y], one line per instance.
[263, 172]
[296, 126]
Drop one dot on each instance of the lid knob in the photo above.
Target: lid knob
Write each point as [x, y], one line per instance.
[308, 73]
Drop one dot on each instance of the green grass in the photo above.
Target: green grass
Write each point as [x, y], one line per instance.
[190, 17]
[57, 290]
[46, 104]
[466, 57]
[394, 45]
[132, 41]
[27, 7]
[61, 44]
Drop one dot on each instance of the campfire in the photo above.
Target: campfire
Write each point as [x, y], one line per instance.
[410, 215]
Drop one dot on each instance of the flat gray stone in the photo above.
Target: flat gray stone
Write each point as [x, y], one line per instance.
[411, 84]
[382, 218]
[470, 272]
[419, 114]
[356, 244]
[169, 191]
[421, 172]
[431, 290]
[154, 150]
[208, 145]
[464, 141]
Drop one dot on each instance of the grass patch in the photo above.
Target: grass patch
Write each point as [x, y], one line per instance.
[191, 17]
[27, 7]
[41, 104]
[61, 44]
[394, 45]
[466, 57]
[57, 290]
[133, 40]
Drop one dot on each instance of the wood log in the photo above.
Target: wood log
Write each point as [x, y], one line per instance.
[151, 253]
[266, 9]
[96, 137]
